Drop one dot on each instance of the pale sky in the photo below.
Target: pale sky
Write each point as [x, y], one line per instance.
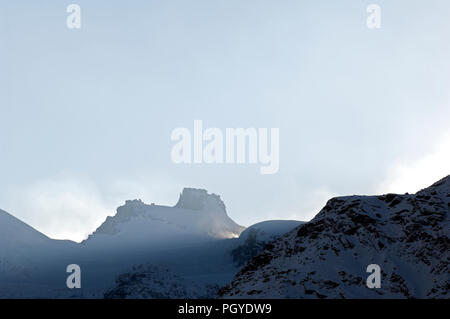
[86, 114]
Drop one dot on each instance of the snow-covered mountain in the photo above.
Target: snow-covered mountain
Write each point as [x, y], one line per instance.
[194, 240]
[197, 216]
[154, 234]
[406, 235]
[188, 250]
[33, 265]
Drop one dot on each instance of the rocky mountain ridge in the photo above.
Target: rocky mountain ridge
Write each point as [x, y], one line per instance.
[406, 235]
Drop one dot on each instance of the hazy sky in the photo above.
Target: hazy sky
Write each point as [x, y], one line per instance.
[86, 114]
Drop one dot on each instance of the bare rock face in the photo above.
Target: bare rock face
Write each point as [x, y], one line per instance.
[406, 235]
[199, 199]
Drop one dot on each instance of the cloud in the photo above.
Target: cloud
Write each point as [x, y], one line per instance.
[61, 209]
[415, 174]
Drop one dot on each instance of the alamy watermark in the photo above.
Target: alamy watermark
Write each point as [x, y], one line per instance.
[232, 146]
[73, 20]
[74, 279]
[374, 279]
[374, 18]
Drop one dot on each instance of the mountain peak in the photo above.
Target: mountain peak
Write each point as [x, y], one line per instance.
[197, 215]
[199, 199]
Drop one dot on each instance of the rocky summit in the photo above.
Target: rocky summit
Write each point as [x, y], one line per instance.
[407, 236]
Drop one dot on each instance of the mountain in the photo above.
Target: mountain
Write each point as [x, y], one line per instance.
[33, 265]
[191, 242]
[196, 217]
[192, 248]
[154, 234]
[406, 235]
